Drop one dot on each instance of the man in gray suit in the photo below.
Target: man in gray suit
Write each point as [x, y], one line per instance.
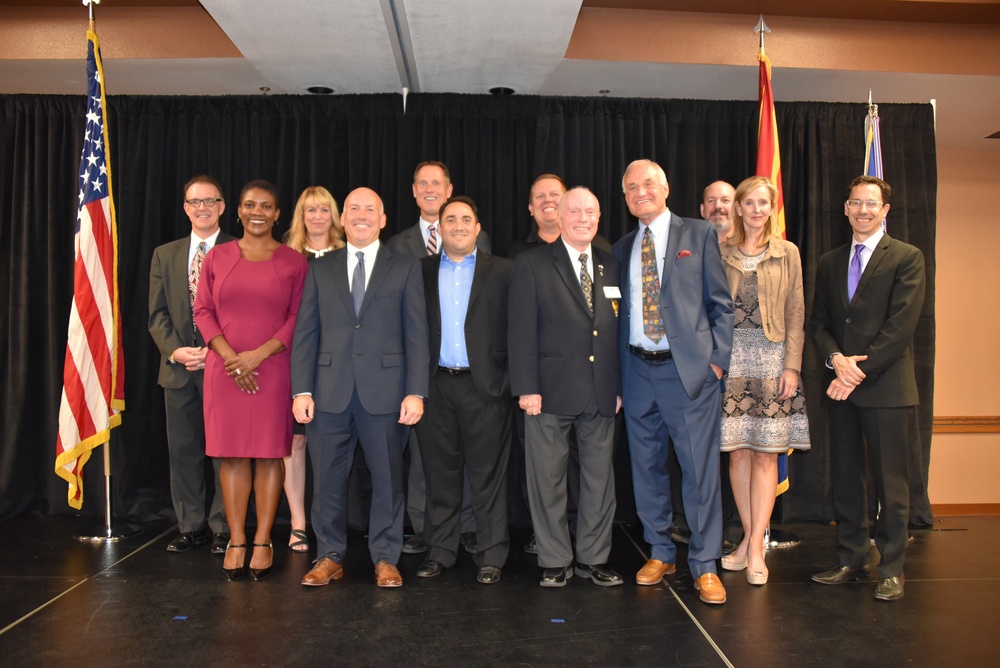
[359, 371]
[431, 188]
[173, 283]
[563, 351]
[677, 337]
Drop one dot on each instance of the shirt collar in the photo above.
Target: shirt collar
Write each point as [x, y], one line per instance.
[370, 250]
[871, 243]
[209, 240]
[471, 257]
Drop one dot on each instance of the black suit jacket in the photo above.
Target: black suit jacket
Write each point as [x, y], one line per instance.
[558, 348]
[878, 322]
[411, 242]
[485, 322]
[170, 319]
[382, 351]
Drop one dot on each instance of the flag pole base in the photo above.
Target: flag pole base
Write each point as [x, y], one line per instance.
[779, 539]
[108, 533]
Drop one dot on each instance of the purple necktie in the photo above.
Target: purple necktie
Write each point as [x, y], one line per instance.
[854, 273]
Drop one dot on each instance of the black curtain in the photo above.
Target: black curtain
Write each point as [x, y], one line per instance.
[494, 147]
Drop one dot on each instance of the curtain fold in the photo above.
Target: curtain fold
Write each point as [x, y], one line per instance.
[494, 147]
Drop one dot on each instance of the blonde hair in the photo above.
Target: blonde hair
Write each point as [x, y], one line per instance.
[296, 236]
[738, 235]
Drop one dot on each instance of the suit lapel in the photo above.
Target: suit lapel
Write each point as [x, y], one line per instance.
[567, 271]
[337, 265]
[432, 289]
[483, 264]
[673, 244]
[416, 242]
[880, 250]
[379, 272]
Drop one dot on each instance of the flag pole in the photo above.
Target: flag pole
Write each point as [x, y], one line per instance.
[113, 530]
[774, 538]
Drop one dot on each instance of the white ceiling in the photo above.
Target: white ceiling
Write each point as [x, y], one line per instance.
[470, 46]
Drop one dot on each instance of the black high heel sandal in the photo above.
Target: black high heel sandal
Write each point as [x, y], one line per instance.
[258, 574]
[233, 574]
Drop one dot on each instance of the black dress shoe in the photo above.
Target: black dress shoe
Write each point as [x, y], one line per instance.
[600, 574]
[488, 575]
[556, 577]
[188, 540]
[841, 574]
[219, 542]
[415, 544]
[889, 589]
[469, 542]
[430, 569]
[530, 546]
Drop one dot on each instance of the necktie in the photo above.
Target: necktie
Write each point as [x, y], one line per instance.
[652, 326]
[586, 283]
[358, 282]
[432, 240]
[194, 275]
[854, 274]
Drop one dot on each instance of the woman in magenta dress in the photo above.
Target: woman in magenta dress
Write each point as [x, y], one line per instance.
[247, 301]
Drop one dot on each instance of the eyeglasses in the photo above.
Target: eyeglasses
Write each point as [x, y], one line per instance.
[867, 203]
[207, 201]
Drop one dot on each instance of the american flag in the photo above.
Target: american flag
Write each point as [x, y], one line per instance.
[94, 373]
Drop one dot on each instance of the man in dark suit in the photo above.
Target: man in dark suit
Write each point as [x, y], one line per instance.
[431, 187]
[869, 295]
[677, 337]
[563, 345]
[173, 283]
[467, 423]
[359, 371]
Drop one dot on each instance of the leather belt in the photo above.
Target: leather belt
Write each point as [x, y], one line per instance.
[650, 355]
[460, 371]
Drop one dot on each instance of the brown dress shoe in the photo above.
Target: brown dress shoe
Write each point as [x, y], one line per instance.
[322, 572]
[386, 575]
[710, 587]
[652, 573]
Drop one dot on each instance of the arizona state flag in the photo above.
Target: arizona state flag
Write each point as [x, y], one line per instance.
[769, 165]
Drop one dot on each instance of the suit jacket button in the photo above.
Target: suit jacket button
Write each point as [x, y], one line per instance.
[595, 332]
[357, 326]
[848, 321]
[591, 358]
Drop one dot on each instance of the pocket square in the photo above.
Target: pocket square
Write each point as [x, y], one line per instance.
[683, 253]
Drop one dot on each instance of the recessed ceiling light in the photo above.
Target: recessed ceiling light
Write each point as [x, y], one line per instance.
[264, 89]
[603, 91]
[501, 90]
[319, 90]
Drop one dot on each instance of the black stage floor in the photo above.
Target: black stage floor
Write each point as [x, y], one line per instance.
[63, 602]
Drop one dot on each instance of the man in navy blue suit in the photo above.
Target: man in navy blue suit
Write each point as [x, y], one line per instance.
[676, 339]
[359, 370]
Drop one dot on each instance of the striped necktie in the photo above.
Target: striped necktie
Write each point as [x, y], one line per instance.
[432, 240]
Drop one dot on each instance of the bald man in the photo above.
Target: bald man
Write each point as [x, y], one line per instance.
[360, 371]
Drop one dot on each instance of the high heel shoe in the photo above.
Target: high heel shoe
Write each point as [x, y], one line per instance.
[233, 574]
[729, 563]
[756, 577]
[258, 574]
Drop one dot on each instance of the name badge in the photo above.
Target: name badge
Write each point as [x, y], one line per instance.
[612, 292]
